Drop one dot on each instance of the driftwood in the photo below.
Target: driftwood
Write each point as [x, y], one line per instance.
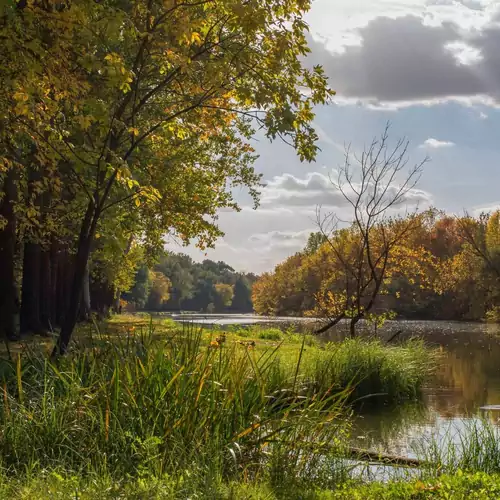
[373, 456]
[397, 334]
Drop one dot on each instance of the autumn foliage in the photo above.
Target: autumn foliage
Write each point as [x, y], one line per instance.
[435, 272]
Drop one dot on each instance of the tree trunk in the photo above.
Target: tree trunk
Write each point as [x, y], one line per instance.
[62, 269]
[329, 325]
[118, 292]
[30, 297]
[80, 263]
[46, 290]
[86, 309]
[8, 293]
[352, 328]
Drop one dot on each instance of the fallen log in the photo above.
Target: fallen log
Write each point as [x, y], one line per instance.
[382, 458]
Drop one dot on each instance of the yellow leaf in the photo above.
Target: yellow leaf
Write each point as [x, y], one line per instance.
[195, 38]
[137, 202]
[133, 131]
[20, 96]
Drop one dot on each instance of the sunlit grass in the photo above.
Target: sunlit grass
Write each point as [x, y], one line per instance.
[191, 410]
[139, 404]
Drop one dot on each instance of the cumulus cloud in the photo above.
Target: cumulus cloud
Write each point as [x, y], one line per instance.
[281, 239]
[436, 144]
[486, 209]
[317, 189]
[406, 60]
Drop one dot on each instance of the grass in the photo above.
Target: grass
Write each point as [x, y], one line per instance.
[53, 486]
[471, 445]
[143, 409]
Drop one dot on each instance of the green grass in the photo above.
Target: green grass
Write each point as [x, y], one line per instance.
[51, 486]
[373, 373]
[171, 406]
[145, 409]
[473, 446]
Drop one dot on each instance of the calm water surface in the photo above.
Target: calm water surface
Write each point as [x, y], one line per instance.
[468, 378]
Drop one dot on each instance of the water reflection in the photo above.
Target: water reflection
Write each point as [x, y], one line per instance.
[468, 378]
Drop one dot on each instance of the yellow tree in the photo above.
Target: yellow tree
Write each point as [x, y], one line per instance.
[172, 92]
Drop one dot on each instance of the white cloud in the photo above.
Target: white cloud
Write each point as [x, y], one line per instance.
[281, 239]
[436, 144]
[336, 23]
[486, 209]
[317, 189]
[464, 53]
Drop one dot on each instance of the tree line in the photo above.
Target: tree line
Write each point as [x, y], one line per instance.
[122, 122]
[446, 268]
[389, 259]
[177, 283]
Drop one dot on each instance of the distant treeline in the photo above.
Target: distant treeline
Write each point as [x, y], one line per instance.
[444, 268]
[176, 283]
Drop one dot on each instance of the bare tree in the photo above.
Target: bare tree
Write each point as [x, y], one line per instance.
[374, 185]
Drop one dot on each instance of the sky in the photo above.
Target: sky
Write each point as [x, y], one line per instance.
[429, 67]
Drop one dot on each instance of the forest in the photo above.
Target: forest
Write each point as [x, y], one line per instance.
[177, 283]
[443, 268]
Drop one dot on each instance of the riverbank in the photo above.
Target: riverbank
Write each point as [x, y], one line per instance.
[144, 409]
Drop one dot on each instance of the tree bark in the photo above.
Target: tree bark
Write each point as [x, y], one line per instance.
[352, 326]
[30, 296]
[85, 239]
[46, 290]
[86, 309]
[8, 292]
[30, 321]
[329, 325]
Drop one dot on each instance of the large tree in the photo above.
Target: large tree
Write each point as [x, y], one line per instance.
[373, 185]
[164, 99]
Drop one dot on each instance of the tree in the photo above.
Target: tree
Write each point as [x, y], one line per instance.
[314, 242]
[39, 76]
[159, 292]
[224, 295]
[173, 93]
[242, 297]
[371, 189]
[179, 270]
[139, 293]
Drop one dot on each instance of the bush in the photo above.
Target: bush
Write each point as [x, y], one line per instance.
[271, 334]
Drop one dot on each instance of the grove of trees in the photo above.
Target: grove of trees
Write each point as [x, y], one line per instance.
[446, 268]
[125, 121]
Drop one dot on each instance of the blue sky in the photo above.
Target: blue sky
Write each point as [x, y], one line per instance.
[431, 68]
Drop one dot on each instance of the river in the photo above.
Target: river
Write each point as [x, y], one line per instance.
[467, 379]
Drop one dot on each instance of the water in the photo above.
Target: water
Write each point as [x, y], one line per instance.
[222, 321]
[467, 380]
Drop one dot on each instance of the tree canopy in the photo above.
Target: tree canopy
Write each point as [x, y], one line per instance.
[125, 121]
[446, 268]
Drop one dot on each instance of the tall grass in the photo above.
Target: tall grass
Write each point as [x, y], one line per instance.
[148, 400]
[469, 445]
[373, 372]
[142, 406]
